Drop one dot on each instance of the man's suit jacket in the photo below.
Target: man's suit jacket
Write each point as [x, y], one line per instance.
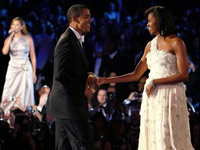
[67, 99]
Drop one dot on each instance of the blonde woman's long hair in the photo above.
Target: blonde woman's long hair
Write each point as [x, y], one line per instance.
[23, 24]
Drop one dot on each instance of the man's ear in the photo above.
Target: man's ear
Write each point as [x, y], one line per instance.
[75, 19]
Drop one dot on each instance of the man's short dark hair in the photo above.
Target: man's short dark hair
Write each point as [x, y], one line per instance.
[75, 10]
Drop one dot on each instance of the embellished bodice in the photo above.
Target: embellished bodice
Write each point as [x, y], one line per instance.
[160, 63]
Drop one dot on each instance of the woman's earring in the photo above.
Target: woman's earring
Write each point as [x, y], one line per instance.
[161, 32]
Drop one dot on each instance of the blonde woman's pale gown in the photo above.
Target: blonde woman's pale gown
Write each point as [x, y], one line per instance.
[19, 78]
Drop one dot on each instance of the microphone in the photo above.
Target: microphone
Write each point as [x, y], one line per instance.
[11, 32]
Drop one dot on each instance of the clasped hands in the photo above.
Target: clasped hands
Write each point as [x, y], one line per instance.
[92, 84]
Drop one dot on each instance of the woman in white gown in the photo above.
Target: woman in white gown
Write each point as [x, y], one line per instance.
[21, 73]
[164, 123]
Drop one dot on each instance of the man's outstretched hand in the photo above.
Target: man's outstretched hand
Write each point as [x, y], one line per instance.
[92, 82]
[91, 85]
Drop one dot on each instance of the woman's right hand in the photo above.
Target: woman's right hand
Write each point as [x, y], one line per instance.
[7, 41]
[11, 32]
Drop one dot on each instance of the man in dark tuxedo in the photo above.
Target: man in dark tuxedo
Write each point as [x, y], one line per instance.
[68, 97]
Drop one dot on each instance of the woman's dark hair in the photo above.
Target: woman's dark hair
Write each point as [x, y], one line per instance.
[164, 19]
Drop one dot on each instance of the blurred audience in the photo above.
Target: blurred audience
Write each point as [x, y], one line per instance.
[113, 47]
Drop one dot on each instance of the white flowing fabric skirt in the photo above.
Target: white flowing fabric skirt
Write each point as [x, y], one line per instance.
[164, 123]
[19, 81]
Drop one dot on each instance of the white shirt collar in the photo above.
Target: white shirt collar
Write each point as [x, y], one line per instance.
[79, 37]
[104, 105]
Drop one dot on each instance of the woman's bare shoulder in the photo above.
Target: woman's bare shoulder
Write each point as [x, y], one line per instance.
[29, 37]
[148, 46]
[174, 39]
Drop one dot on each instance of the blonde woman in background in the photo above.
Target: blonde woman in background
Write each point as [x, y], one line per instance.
[21, 72]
